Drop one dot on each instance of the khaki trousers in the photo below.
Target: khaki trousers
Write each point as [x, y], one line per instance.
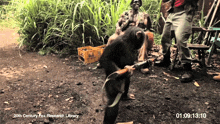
[181, 24]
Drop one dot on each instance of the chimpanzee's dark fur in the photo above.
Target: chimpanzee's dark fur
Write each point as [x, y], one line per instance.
[116, 56]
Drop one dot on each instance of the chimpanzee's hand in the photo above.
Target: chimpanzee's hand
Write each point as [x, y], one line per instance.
[130, 69]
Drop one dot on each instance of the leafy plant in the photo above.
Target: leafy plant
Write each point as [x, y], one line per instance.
[60, 26]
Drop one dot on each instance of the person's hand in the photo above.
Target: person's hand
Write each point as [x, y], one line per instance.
[118, 30]
[132, 24]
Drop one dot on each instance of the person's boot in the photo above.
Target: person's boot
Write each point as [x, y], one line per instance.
[163, 63]
[187, 76]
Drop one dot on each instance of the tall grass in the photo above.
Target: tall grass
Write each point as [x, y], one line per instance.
[61, 26]
[7, 12]
[152, 7]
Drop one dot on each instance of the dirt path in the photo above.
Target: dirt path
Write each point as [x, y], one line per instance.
[31, 85]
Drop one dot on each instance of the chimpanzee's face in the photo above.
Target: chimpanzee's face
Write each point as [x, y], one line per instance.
[136, 4]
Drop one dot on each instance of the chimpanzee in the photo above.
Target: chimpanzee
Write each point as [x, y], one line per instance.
[117, 55]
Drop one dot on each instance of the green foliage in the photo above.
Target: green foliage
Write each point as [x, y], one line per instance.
[152, 7]
[157, 38]
[4, 2]
[202, 19]
[60, 26]
[7, 12]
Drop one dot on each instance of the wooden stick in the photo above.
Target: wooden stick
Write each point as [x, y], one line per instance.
[213, 16]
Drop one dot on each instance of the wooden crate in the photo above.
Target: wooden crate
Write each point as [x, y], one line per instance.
[89, 54]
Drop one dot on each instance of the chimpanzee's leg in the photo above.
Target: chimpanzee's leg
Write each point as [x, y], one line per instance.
[112, 88]
[127, 84]
[111, 112]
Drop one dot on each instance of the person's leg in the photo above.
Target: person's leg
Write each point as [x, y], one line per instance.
[166, 42]
[147, 45]
[182, 33]
[143, 50]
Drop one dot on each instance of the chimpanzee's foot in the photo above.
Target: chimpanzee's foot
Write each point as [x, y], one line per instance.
[128, 97]
[98, 66]
[145, 70]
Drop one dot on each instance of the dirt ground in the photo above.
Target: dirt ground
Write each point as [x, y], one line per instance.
[34, 89]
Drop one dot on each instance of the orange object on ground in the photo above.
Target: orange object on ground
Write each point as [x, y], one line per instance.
[131, 122]
[89, 54]
[150, 39]
[217, 78]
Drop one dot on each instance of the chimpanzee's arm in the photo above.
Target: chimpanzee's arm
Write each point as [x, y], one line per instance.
[108, 65]
[107, 59]
[115, 57]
